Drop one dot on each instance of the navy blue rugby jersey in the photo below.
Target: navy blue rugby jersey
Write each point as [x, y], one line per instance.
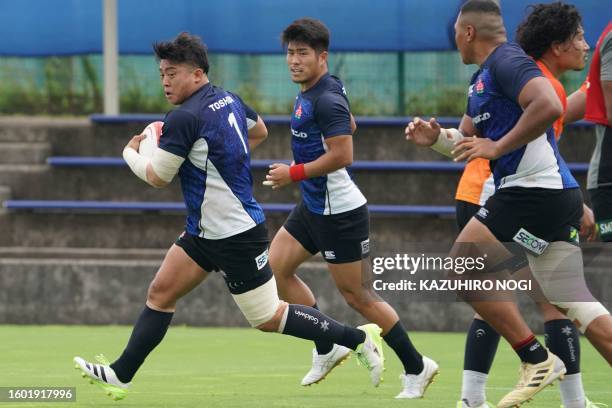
[319, 113]
[494, 108]
[210, 131]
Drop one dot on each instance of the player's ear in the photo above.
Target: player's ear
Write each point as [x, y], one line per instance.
[470, 33]
[198, 74]
[323, 57]
[556, 48]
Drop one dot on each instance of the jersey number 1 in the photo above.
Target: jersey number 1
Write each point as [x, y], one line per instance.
[234, 123]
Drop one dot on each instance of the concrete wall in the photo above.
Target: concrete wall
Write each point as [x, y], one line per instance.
[109, 291]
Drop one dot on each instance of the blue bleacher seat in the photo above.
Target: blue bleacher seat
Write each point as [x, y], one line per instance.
[369, 165]
[72, 205]
[399, 121]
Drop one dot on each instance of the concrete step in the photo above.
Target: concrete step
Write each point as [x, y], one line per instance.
[27, 129]
[159, 230]
[25, 178]
[5, 193]
[381, 143]
[79, 137]
[118, 183]
[20, 130]
[369, 143]
[24, 153]
[150, 254]
[87, 183]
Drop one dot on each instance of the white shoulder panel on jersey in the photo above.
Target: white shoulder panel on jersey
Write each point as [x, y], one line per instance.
[343, 194]
[488, 189]
[222, 212]
[199, 154]
[538, 167]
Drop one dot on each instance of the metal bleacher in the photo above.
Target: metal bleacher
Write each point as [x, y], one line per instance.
[75, 161]
[368, 167]
[179, 206]
[373, 170]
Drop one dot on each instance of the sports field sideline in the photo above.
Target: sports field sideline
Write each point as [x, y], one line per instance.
[201, 367]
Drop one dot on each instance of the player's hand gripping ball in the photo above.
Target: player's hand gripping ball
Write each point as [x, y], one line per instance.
[150, 138]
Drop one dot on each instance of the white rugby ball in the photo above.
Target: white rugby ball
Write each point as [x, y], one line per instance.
[152, 133]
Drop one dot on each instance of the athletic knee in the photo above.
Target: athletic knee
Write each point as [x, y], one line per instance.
[582, 313]
[357, 299]
[277, 322]
[601, 321]
[282, 273]
[550, 312]
[161, 295]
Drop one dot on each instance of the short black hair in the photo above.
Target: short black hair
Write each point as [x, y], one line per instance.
[309, 31]
[184, 49]
[481, 6]
[545, 25]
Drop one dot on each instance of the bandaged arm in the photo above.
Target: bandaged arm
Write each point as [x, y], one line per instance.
[158, 171]
[449, 137]
[446, 141]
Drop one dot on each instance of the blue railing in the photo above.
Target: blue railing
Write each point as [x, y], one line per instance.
[391, 121]
[71, 205]
[365, 165]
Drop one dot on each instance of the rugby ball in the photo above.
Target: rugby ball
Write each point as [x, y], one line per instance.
[151, 138]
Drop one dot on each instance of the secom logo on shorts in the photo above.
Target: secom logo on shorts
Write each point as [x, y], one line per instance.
[261, 260]
[535, 245]
[365, 247]
[605, 227]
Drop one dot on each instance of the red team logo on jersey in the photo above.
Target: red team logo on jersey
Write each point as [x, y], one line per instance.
[479, 86]
[298, 112]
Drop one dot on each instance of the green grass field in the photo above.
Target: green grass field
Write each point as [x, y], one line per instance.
[197, 367]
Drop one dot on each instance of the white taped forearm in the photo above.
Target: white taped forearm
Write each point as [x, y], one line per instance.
[446, 141]
[165, 164]
[137, 162]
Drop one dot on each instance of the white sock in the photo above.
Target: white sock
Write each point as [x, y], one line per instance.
[572, 393]
[473, 388]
